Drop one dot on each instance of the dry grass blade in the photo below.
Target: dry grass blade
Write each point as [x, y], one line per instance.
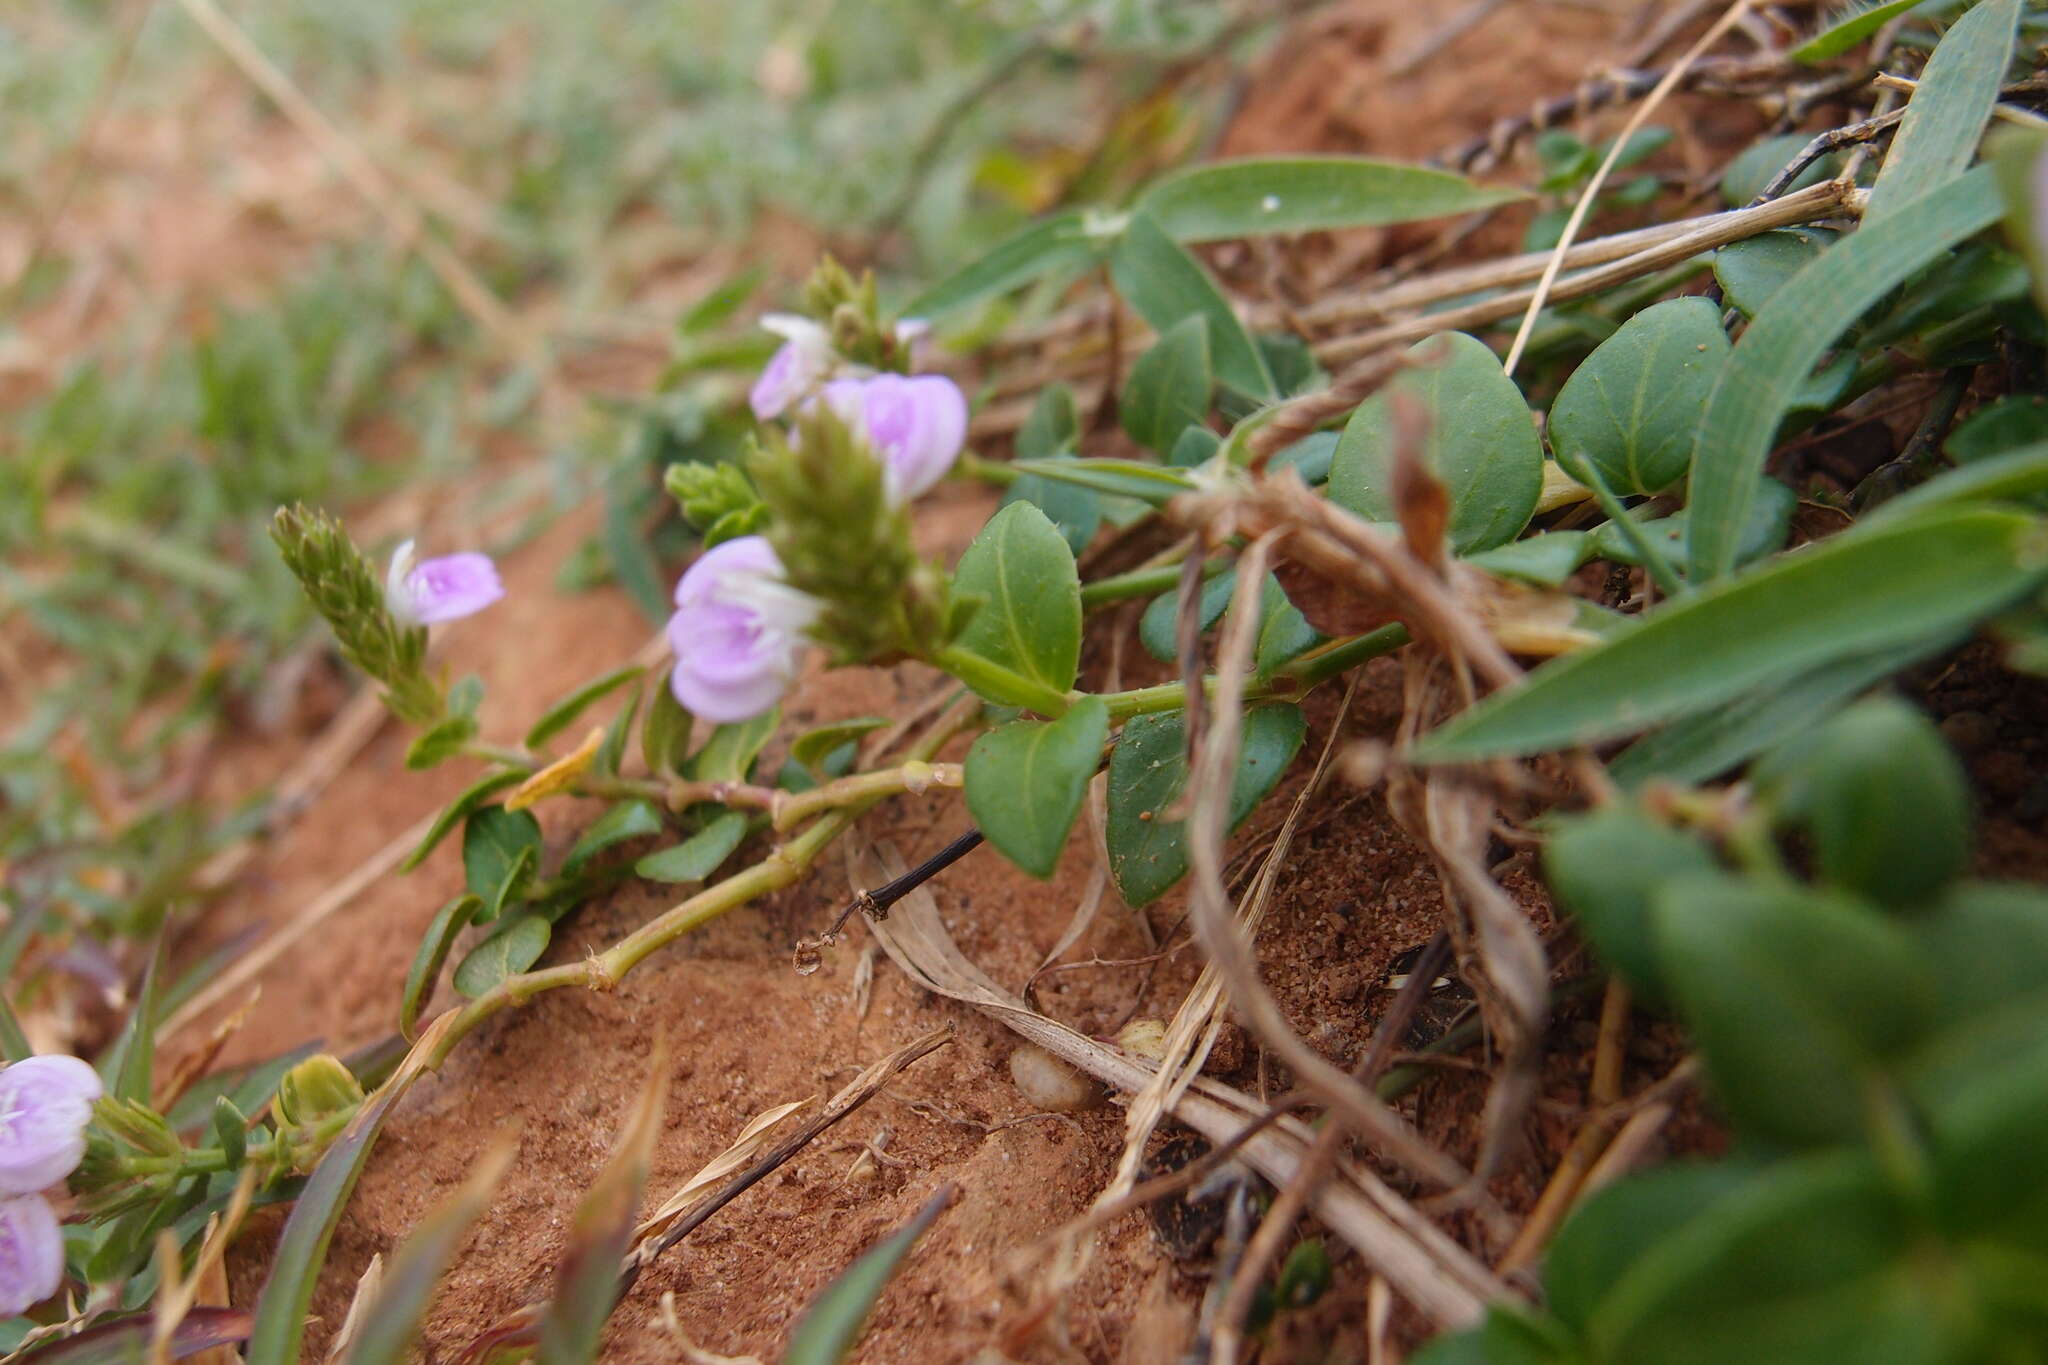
[743, 1149]
[852, 1096]
[1424, 1264]
[177, 1293]
[1590, 192]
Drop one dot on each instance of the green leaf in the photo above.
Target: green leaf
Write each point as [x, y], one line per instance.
[1986, 946]
[1507, 1337]
[1770, 522]
[1546, 560]
[698, 856]
[1155, 484]
[1605, 867]
[1770, 365]
[472, 797]
[1796, 1000]
[1251, 197]
[1026, 781]
[587, 1280]
[1848, 29]
[813, 747]
[728, 756]
[1284, 633]
[511, 948]
[1064, 240]
[1986, 1114]
[611, 751]
[1193, 448]
[301, 1249]
[2007, 424]
[626, 820]
[442, 740]
[1866, 590]
[129, 1066]
[1148, 852]
[1756, 165]
[386, 1330]
[1809, 1263]
[1158, 624]
[1631, 408]
[1621, 1225]
[665, 732]
[1480, 441]
[832, 1324]
[1707, 745]
[1029, 621]
[125, 1340]
[231, 1131]
[1937, 138]
[1884, 803]
[1074, 509]
[2018, 476]
[500, 849]
[1166, 286]
[1310, 457]
[448, 922]
[1168, 390]
[1054, 426]
[563, 713]
[625, 548]
[719, 303]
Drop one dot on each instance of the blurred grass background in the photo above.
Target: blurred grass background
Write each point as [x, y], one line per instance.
[203, 315]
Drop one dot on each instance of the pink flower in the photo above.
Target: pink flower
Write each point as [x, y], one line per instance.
[917, 424]
[443, 589]
[31, 1254]
[803, 361]
[45, 1104]
[737, 632]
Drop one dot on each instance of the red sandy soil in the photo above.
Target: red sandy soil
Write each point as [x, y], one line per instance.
[745, 1032]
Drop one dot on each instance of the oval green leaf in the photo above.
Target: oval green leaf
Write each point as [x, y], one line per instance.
[1026, 781]
[1148, 852]
[698, 856]
[1480, 441]
[1029, 620]
[511, 948]
[1164, 285]
[449, 921]
[1632, 408]
[1168, 390]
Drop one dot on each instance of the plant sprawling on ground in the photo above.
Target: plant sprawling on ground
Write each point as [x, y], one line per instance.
[1626, 625]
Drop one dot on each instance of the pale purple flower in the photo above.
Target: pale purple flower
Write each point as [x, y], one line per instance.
[916, 423]
[31, 1254]
[442, 589]
[45, 1103]
[803, 361]
[737, 632]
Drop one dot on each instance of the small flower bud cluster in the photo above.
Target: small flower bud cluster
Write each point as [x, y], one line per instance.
[45, 1105]
[381, 627]
[716, 499]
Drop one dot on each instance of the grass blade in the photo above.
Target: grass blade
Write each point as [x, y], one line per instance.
[1863, 591]
[295, 1265]
[1847, 30]
[587, 1281]
[832, 1324]
[408, 1286]
[1946, 118]
[1764, 377]
[1062, 240]
[126, 1340]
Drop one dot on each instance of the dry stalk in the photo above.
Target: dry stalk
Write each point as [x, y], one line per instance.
[1445, 1282]
[1591, 190]
[1209, 779]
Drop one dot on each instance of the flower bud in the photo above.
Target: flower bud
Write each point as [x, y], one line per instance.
[345, 590]
[139, 1126]
[317, 1088]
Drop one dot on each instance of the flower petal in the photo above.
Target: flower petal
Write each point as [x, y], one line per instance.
[31, 1254]
[453, 586]
[45, 1103]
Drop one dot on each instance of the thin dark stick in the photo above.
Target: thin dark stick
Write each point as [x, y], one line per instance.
[1832, 140]
[875, 904]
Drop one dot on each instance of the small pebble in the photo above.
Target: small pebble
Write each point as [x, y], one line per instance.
[1049, 1083]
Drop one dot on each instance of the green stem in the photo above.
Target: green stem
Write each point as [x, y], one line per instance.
[1646, 549]
[988, 471]
[603, 971]
[993, 679]
[1151, 582]
[1291, 680]
[283, 1149]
